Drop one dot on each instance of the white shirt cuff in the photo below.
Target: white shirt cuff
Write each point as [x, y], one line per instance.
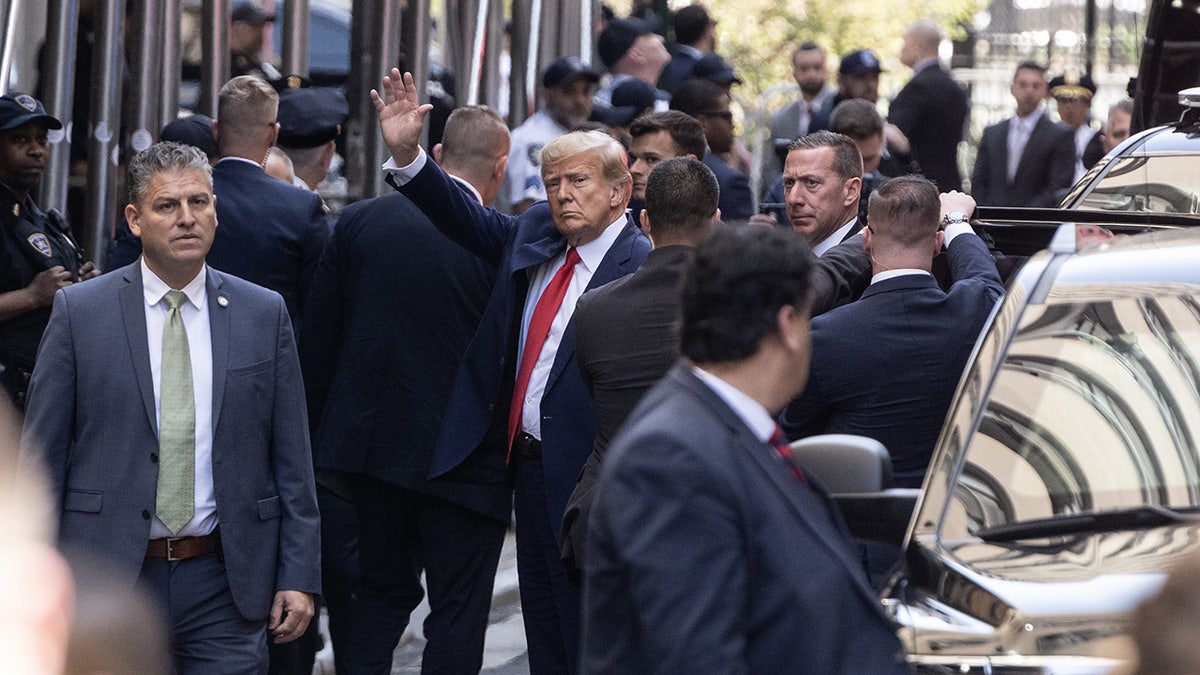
[952, 231]
[403, 174]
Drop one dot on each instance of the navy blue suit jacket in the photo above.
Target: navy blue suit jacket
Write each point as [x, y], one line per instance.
[886, 365]
[477, 414]
[706, 555]
[92, 420]
[268, 232]
[393, 307]
[737, 200]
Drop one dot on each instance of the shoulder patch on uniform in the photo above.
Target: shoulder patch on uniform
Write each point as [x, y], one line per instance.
[41, 242]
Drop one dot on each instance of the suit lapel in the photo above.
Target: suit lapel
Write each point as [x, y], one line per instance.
[218, 322]
[809, 503]
[133, 315]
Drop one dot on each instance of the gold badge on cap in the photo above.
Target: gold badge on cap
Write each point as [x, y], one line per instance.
[294, 82]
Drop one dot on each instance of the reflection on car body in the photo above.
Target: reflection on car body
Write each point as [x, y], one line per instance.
[1067, 476]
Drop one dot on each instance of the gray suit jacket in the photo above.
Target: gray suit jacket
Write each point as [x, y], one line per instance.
[91, 419]
[705, 554]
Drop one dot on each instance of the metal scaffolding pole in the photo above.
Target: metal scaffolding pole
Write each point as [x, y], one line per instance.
[491, 58]
[145, 74]
[475, 57]
[295, 38]
[522, 43]
[169, 75]
[214, 50]
[59, 79]
[103, 141]
[8, 39]
[375, 48]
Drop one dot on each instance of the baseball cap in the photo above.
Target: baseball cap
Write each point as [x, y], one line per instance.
[1072, 86]
[311, 117]
[714, 68]
[248, 12]
[17, 109]
[860, 61]
[194, 130]
[566, 70]
[629, 100]
[618, 36]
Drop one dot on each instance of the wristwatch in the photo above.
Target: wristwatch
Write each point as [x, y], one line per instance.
[954, 218]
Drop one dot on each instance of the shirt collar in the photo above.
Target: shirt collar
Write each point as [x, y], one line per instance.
[902, 272]
[470, 188]
[751, 412]
[1032, 118]
[154, 288]
[592, 253]
[835, 238]
[240, 159]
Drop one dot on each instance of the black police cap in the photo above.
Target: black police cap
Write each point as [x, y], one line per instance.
[310, 117]
[17, 109]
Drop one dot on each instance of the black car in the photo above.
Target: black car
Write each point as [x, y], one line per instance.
[1066, 479]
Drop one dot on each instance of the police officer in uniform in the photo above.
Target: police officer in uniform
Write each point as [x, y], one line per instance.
[37, 254]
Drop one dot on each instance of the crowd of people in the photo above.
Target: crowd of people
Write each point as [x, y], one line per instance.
[256, 407]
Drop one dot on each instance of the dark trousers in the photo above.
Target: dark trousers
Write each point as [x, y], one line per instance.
[401, 533]
[208, 634]
[340, 572]
[549, 601]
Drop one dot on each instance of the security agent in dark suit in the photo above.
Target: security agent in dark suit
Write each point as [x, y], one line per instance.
[655, 138]
[1026, 160]
[708, 102]
[175, 439]
[931, 110]
[550, 427]
[619, 366]
[822, 180]
[898, 387]
[393, 308]
[709, 549]
[271, 233]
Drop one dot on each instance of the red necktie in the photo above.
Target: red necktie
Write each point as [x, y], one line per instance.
[789, 458]
[535, 337]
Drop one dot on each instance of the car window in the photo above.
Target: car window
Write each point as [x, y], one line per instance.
[1096, 407]
[1148, 183]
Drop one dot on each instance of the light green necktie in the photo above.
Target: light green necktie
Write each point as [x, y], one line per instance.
[177, 427]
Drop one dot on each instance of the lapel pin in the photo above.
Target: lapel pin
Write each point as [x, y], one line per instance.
[222, 301]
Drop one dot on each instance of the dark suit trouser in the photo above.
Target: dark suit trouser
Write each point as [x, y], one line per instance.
[340, 572]
[208, 634]
[550, 604]
[401, 533]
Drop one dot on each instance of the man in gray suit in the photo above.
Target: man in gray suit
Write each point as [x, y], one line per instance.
[168, 410]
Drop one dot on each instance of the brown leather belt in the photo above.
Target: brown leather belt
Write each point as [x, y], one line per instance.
[527, 446]
[184, 548]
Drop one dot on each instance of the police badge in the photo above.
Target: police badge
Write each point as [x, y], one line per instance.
[41, 242]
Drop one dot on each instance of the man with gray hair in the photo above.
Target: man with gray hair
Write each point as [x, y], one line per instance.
[168, 410]
[271, 233]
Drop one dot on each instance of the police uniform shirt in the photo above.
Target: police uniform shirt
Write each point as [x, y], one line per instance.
[31, 243]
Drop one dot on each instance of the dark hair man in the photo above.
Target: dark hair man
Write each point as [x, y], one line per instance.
[656, 138]
[37, 253]
[703, 528]
[385, 264]
[695, 37]
[168, 409]
[1026, 160]
[709, 103]
[519, 387]
[858, 120]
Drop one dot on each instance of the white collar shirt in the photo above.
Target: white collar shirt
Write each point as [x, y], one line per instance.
[834, 239]
[757, 418]
[590, 256]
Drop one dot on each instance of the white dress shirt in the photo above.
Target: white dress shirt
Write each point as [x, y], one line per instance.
[590, 256]
[755, 416]
[199, 335]
[1019, 130]
[834, 238]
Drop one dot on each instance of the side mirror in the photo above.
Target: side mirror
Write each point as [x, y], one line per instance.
[857, 472]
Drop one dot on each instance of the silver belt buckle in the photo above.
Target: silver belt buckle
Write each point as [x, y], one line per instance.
[170, 554]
